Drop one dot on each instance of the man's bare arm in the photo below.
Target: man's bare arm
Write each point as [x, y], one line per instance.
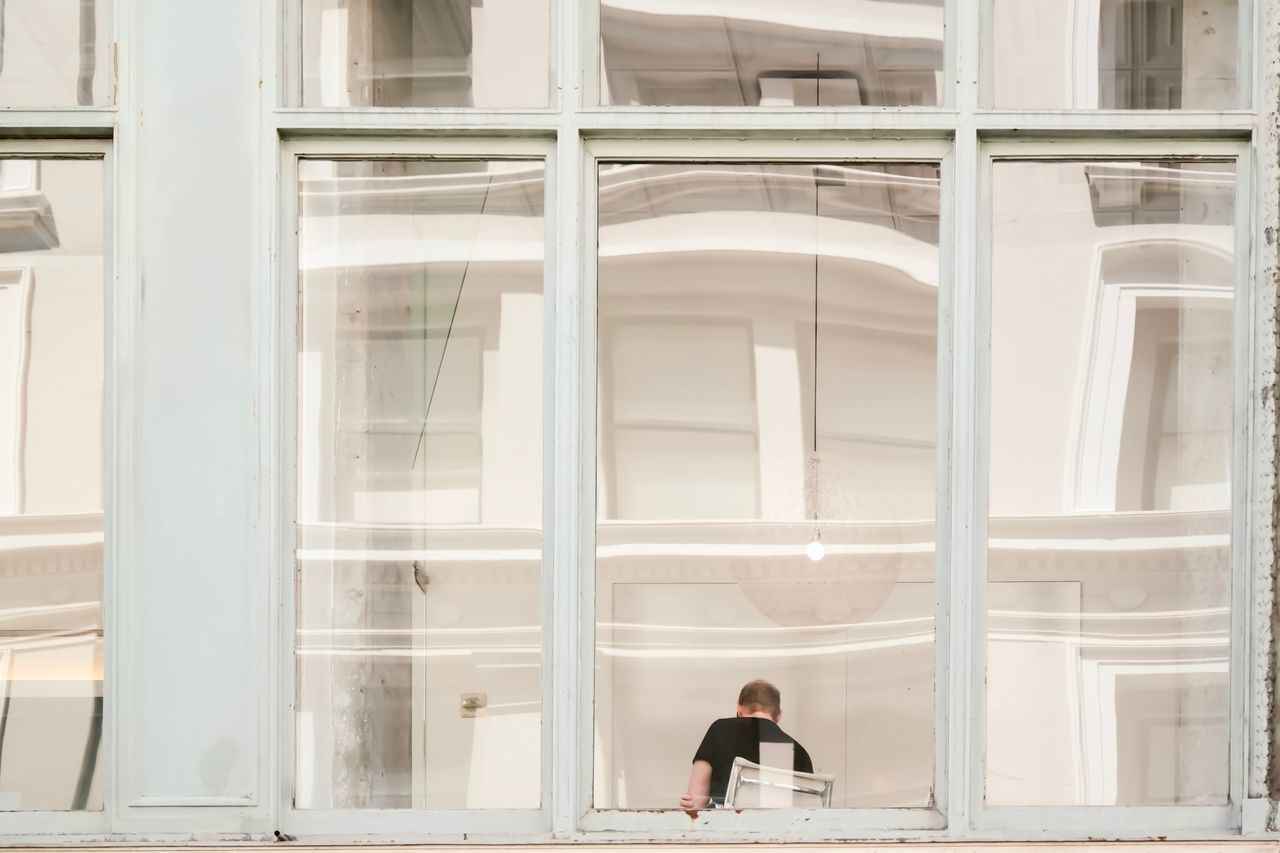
[698, 793]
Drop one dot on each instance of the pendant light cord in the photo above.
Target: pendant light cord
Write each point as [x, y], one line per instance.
[817, 82]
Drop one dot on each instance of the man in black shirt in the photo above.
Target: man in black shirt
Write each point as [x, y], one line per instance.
[759, 709]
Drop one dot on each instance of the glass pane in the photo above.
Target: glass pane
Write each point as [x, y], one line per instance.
[727, 293]
[1114, 54]
[1110, 525]
[771, 53]
[419, 499]
[55, 53]
[51, 491]
[425, 53]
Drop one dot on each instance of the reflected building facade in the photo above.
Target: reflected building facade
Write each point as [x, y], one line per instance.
[770, 468]
[52, 372]
[51, 484]
[767, 371]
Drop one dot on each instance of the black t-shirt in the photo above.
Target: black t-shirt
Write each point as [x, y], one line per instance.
[732, 737]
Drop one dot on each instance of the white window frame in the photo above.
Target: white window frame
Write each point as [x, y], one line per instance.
[1120, 821]
[726, 824]
[458, 824]
[575, 134]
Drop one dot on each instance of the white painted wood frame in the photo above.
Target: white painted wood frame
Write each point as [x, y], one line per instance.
[572, 134]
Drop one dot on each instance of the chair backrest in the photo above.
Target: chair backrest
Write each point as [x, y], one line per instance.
[752, 786]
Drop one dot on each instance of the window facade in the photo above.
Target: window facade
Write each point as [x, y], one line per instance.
[943, 436]
[427, 416]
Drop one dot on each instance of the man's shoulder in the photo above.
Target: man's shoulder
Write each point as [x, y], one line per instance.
[725, 729]
[723, 723]
[801, 752]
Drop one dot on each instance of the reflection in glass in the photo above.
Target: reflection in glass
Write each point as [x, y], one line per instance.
[711, 277]
[55, 53]
[51, 491]
[1114, 54]
[419, 499]
[1109, 552]
[771, 53]
[425, 53]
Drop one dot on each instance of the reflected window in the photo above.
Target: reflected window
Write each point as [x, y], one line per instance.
[682, 450]
[55, 53]
[1114, 54]
[1109, 558]
[771, 53]
[727, 294]
[51, 484]
[419, 492]
[425, 53]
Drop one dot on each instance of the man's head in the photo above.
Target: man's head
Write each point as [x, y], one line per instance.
[759, 698]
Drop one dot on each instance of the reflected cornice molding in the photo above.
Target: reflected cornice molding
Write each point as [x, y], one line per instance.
[44, 545]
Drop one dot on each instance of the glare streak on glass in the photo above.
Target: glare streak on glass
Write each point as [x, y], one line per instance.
[51, 484]
[1110, 483]
[712, 280]
[55, 53]
[771, 53]
[419, 490]
[425, 53]
[1114, 54]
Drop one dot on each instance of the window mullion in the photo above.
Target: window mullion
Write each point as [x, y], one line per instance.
[569, 395]
[1242, 490]
[962, 584]
[963, 578]
[569, 401]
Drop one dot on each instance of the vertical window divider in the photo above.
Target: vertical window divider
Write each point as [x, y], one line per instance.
[968, 567]
[585, 542]
[965, 560]
[274, 389]
[116, 398]
[286, 303]
[945, 564]
[569, 521]
[1241, 487]
[567, 566]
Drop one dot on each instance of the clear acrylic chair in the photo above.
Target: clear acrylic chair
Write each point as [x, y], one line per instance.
[752, 786]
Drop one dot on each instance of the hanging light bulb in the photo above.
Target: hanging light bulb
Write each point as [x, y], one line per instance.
[815, 550]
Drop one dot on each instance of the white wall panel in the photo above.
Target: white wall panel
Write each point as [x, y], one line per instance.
[192, 587]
